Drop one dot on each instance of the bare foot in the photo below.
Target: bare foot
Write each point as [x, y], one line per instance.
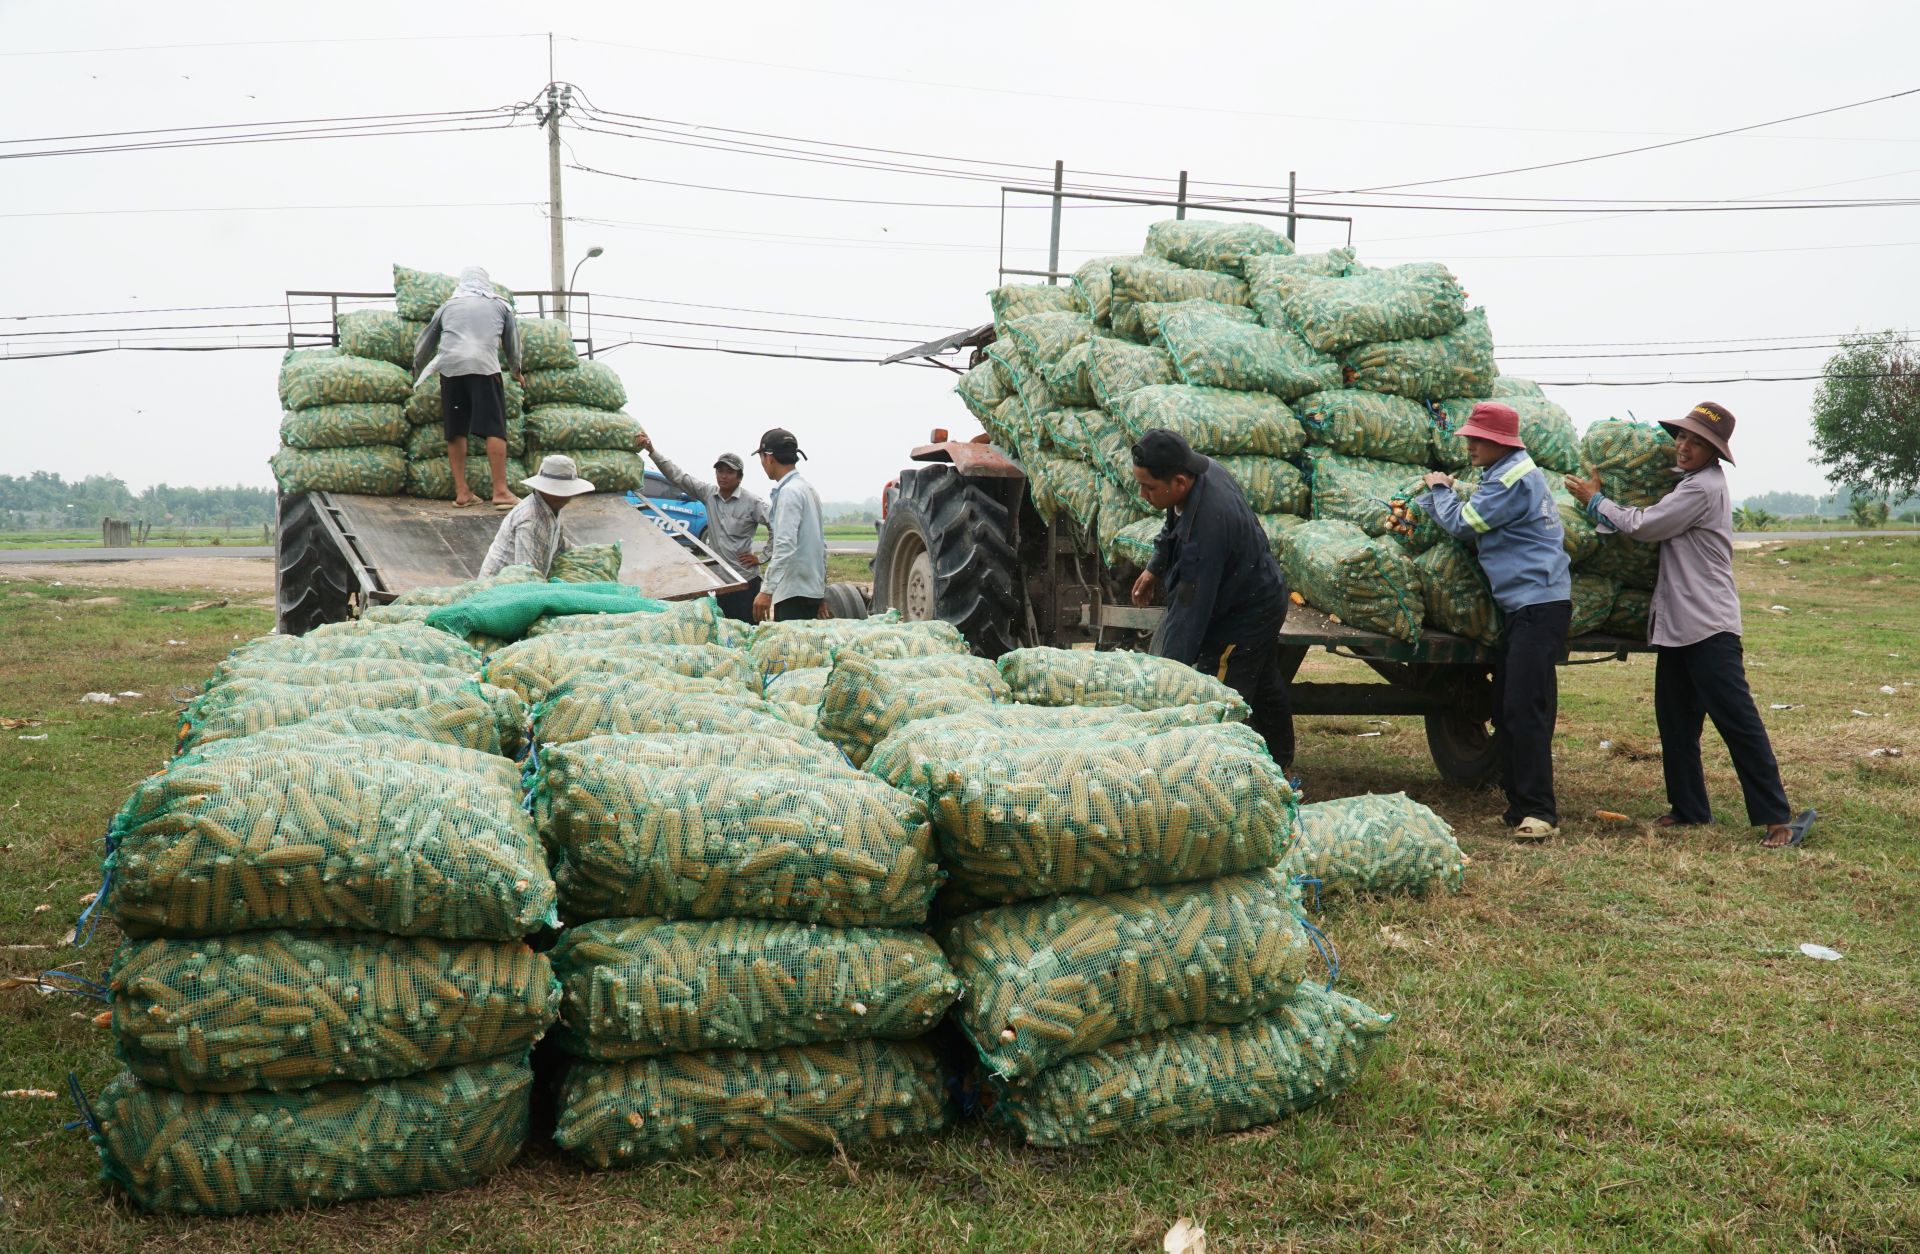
[1778, 835]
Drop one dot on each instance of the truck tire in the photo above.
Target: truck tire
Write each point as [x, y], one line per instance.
[1462, 749]
[846, 600]
[312, 582]
[946, 551]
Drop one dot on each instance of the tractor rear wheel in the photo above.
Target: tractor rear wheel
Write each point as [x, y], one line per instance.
[946, 552]
[312, 582]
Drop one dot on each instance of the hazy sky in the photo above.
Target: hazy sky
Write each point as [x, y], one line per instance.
[1351, 95]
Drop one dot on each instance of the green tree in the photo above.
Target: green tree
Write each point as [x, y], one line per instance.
[1752, 518]
[1866, 513]
[1866, 415]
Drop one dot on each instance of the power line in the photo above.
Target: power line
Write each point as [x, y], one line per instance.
[82, 213]
[1695, 352]
[141, 348]
[729, 326]
[742, 352]
[774, 313]
[234, 141]
[1647, 383]
[433, 115]
[262, 43]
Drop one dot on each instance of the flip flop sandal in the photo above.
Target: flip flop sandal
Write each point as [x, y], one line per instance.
[1534, 829]
[501, 505]
[1798, 829]
[467, 504]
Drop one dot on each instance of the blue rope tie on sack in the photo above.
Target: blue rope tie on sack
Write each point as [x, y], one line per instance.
[1331, 956]
[85, 1107]
[86, 988]
[84, 925]
[1313, 882]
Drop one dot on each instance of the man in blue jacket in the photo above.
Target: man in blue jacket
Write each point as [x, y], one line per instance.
[1226, 597]
[1514, 526]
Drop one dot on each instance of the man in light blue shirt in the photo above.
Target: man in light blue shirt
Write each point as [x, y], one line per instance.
[1513, 524]
[795, 582]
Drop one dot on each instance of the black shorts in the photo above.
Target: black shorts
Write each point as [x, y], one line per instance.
[473, 404]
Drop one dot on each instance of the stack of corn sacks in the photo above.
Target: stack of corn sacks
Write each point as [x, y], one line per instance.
[345, 428]
[419, 294]
[1139, 961]
[574, 407]
[325, 992]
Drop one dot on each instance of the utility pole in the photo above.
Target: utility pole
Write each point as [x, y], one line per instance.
[559, 99]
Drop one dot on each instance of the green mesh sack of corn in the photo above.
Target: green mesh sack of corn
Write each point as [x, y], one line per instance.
[1410, 302]
[587, 563]
[1359, 490]
[1045, 338]
[1153, 281]
[1223, 246]
[546, 344]
[431, 479]
[1632, 608]
[801, 688]
[1006, 425]
[790, 645]
[1119, 509]
[427, 444]
[812, 844]
[1070, 379]
[1022, 821]
[381, 334]
[369, 470]
[1118, 369]
[1632, 563]
[1545, 429]
[597, 704]
[1093, 288]
[566, 427]
[1373, 425]
[313, 377]
[393, 745]
[1456, 594]
[682, 622]
[686, 749]
[287, 1010]
[1017, 300]
[636, 987]
[1016, 370]
[1046, 676]
[1277, 525]
[420, 293]
[1272, 485]
[235, 1153]
[1506, 386]
[864, 700]
[1066, 975]
[1210, 351]
[591, 383]
[607, 469]
[1374, 844]
[343, 426]
[1634, 460]
[798, 1099]
[1105, 445]
[1593, 598]
[1069, 431]
[1361, 580]
[246, 706]
[1152, 315]
[917, 752]
[1133, 543]
[354, 670]
[1202, 1077]
[1459, 363]
[531, 668]
[1220, 422]
[400, 642]
[449, 594]
[1268, 279]
[1063, 485]
[423, 402]
[465, 718]
[981, 391]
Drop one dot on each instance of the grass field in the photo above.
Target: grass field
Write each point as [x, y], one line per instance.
[159, 537]
[1609, 1042]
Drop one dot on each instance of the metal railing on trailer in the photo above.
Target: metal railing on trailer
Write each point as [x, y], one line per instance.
[307, 327]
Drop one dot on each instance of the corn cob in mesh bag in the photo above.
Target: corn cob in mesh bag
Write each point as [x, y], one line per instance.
[1210, 351]
[787, 747]
[1064, 485]
[1410, 302]
[813, 843]
[531, 668]
[546, 344]
[616, 469]
[1362, 580]
[395, 746]
[797, 1099]
[1119, 509]
[288, 1010]
[431, 478]
[1268, 279]
[592, 384]
[350, 670]
[599, 703]
[314, 377]
[381, 334]
[448, 594]
[1375, 844]
[682, 622]
[796, 694]
[863, 700]
[1202, 1077]
[1456, 594]
[1271, 485]
[1634, 460]
[1360, 491]
[1152, 314]
[1045, 338]
[1046, 676]
[1119, 369]
[918, 752]
[587, 563]
[1151, 280]
[1630, 562]
[636, 987]
[400, 641]
[1631, 609]
[427, 444]
[243, 707]
[1217, 421]
[424, 410]
[1018, 300]
[1593, 597]
[343, 426]
[1459, 363]
[369, 470]
[333, 838]
[1017, 369]
[465, 718]
[562, 428]
[1223, 246]
[1093, 287]
[1506, 386]
[1062, 976]
[420, 293]
[233, 1153]
[1545, 428]
[1069, 431]
[981, 391]
[791, 645]
[1373, 425]
[1006, 425]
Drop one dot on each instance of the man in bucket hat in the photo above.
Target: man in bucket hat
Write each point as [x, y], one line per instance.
[531, 534]
[795, 582]
[1694, 626]
[1514, 527]
[734, 515]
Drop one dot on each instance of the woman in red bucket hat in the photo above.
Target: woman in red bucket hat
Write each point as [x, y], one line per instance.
[1694, 626]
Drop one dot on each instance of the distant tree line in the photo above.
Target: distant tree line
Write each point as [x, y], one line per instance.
[44, 501]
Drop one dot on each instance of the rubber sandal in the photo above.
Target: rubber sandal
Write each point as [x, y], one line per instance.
[1534, 829]
[1798, 829]
[501, 505]
[469, 503]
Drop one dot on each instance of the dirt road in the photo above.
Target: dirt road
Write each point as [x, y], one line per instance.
[245, 576]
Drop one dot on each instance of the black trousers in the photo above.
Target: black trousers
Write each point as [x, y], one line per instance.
[739, 605]
[1526, 702]
[1708, 679]
[797, 607]
[1252, 669]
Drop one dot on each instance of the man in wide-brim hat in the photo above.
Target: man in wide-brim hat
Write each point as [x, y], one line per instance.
[531, 534]
[1694, 626]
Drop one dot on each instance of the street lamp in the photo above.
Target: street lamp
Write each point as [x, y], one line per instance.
[593, 252]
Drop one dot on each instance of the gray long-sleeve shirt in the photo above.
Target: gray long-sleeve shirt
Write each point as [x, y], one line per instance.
[797, 562]
[530, 535]
[731, 520]
[1694, 597]
[468, 335]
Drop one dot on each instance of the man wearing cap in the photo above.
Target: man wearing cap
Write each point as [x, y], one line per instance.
[1694, 625]
[795, 582]
[1513, 524]
[530, 534]
[733, 516]
[1226, 598]
[463, 344]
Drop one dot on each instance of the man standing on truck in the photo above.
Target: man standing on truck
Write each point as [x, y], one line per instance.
[795, 583]
[463, 345]
[733, 517]
[531, 534]
[1513, 523]
[1226, 598]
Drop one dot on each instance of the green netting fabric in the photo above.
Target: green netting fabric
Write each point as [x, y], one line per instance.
[607, 469]
[798, 1099]
[420, 293]
[245, 706]
[863, 700]
[1410, 302]
[789, 747]
[1506, 386]
[546, 344]
[1220, 422]
[1593, 597]
[423, 403]
[587, 563]
[1268, 279]
[1204, 1078]
[343, 426]
[1459, 363]
[532, 668]
[1017, 371]
[1153, 281]
[1045, 338]
[1063, 485]
[1209, 351]
[1006, 425]
[1119, 369]
[393, 745]
[805, 686]
[916, 753]
[1222, 246]
[313, 377]
[448, 594]
[346, 670]
[1017, 300]
[1375, 844]
[508, 610]
[1049, 979]
[1457, 597]
[1067, 430]
[381, 334]
[1045, 676]
[1545, 429]
[1363, 580]
[1270, 484]
[1367, 424]
[982, 392]
[562, 428]
[1631, 608]
[1119, 509]
[465, 717]
[414, 644]
[1632, 563]
[1134, 542]
[1635, 460]
[431, 478]
[288, 1010]
[636, 987]
[682, 622]
[591, 383]
[598, 704]
[1359, 490]
[231, 1153]
[814, 844]
[792, 645]
[371, 469]
[1093, 284]
[1153, 315]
